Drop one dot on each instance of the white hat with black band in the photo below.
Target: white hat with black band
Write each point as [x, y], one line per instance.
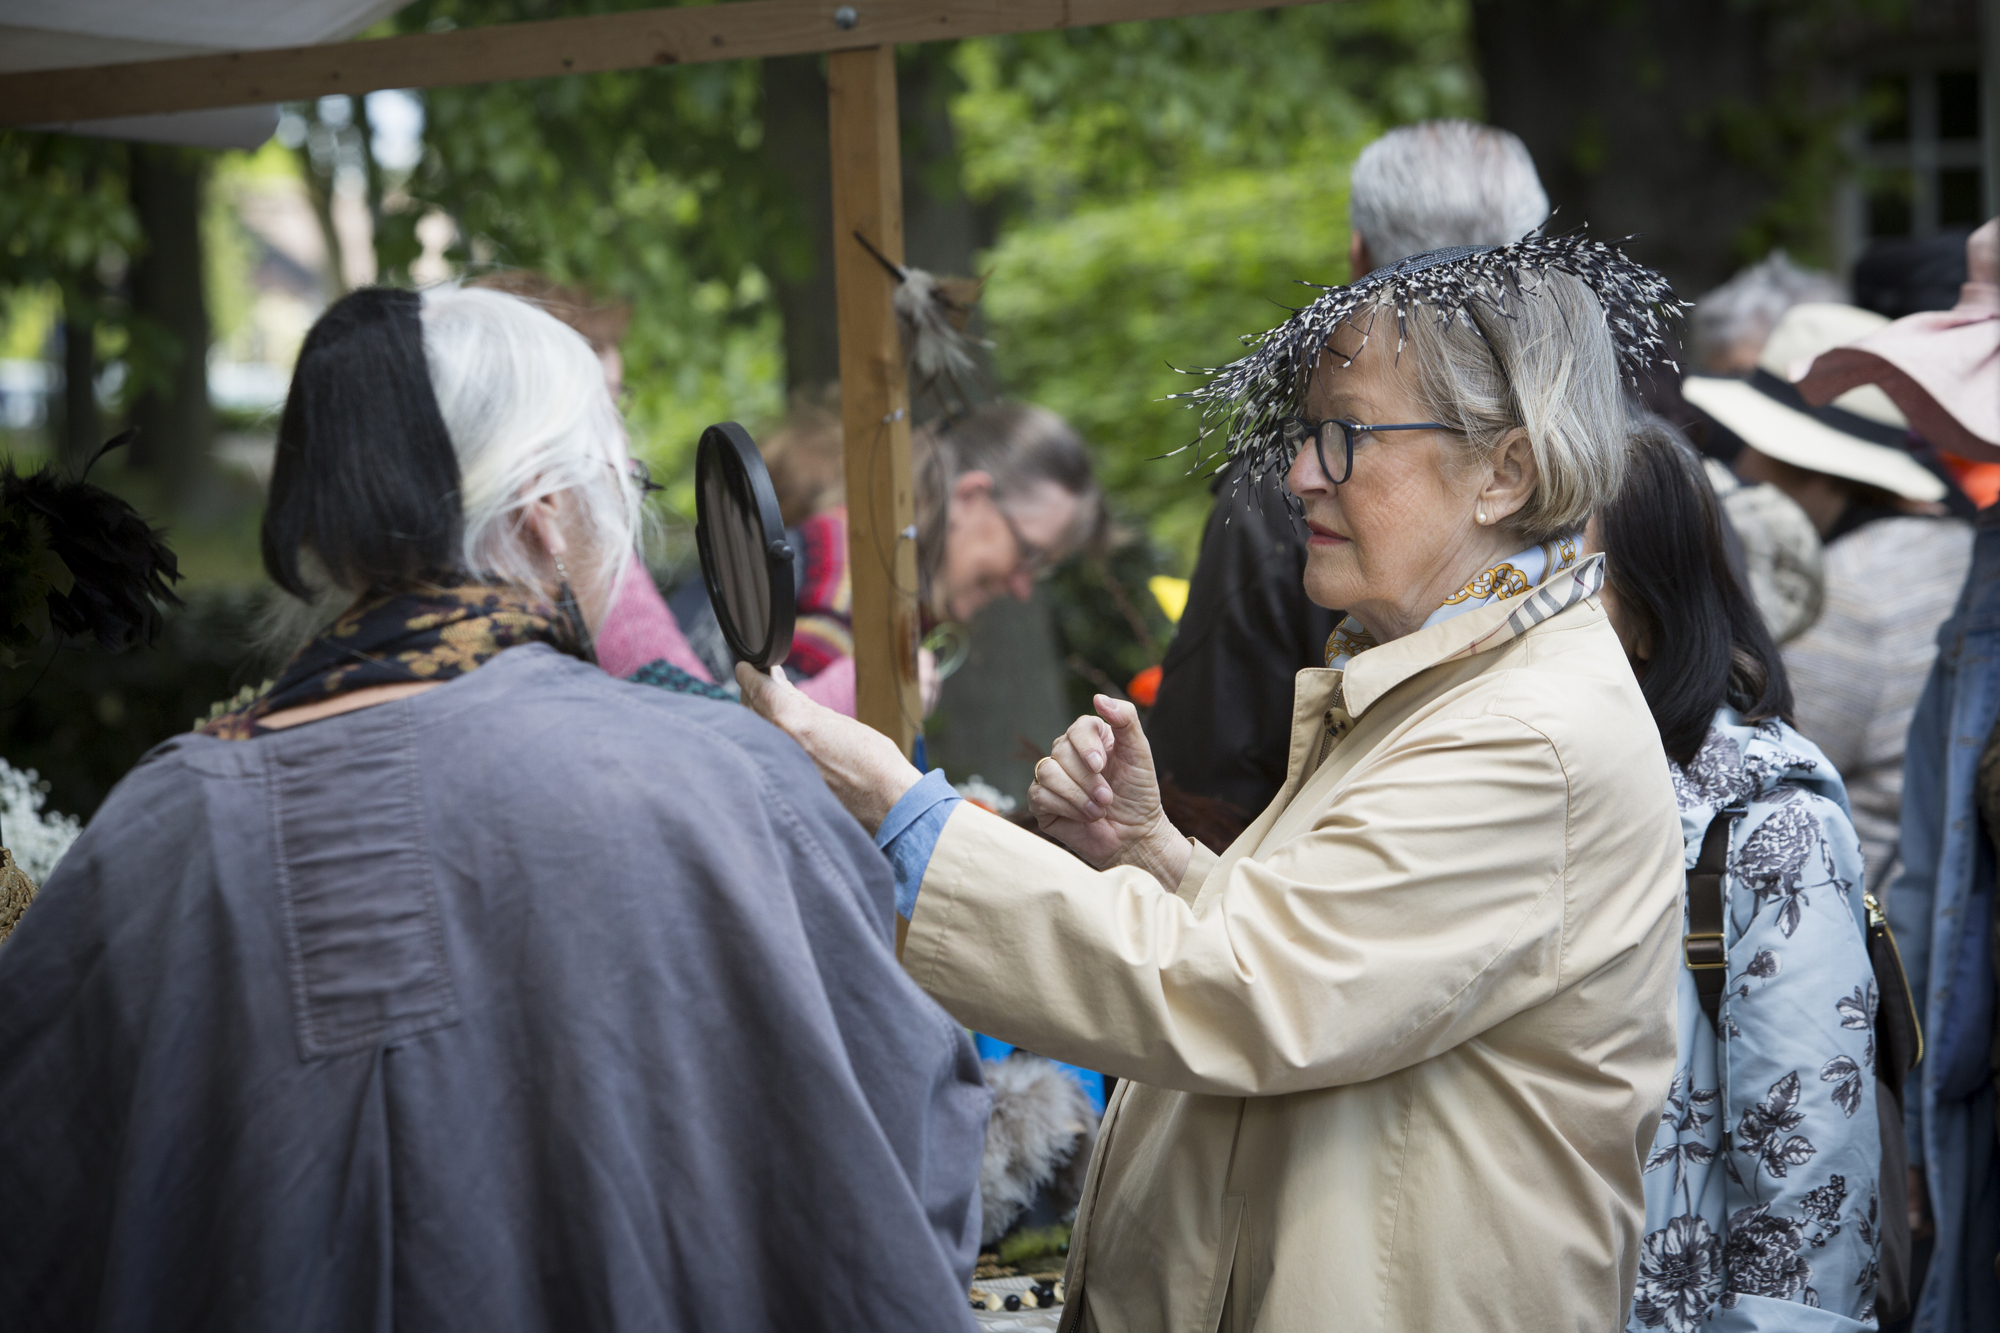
[1859, 436]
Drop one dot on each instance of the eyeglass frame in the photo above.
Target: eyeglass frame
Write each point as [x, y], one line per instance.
[1027, 555]
[1348, 430]
[640, 475]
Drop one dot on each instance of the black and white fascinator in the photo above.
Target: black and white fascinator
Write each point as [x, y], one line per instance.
[1246, 401]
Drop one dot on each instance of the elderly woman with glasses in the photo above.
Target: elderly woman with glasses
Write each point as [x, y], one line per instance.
[1390, 1061]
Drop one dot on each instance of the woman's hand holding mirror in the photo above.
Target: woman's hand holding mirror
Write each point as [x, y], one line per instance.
[1098, 795]
[860, 765]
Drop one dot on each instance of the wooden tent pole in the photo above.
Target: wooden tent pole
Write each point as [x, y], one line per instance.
[874, 390]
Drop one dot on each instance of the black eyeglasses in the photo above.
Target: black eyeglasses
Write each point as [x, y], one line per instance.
[1295, 431]
[1027, 555]
[642, 476]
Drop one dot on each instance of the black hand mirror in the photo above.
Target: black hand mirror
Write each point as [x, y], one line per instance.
[745, 560]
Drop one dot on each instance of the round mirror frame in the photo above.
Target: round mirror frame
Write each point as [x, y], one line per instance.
[728, 446]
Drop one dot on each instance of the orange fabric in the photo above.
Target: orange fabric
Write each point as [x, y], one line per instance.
[1145, 687]
[1981, 481]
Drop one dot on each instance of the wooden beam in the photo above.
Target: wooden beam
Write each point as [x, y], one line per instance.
[636, 39]
[874, 390]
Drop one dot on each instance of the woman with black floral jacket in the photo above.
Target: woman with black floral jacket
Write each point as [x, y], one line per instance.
[1761, 1188]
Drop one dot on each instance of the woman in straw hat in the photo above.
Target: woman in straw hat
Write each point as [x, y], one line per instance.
[1388, 1062]
[1893, 559]
[1942, 369]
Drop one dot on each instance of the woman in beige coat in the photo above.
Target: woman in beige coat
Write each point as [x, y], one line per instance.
[1390, 1062]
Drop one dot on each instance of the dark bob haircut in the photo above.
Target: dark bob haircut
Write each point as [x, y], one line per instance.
[1666, 562]
[365, 477]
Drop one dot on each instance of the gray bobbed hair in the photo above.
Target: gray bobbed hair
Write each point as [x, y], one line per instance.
[1546, 366]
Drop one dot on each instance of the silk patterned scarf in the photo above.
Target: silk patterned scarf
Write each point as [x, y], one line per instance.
[1510, 578]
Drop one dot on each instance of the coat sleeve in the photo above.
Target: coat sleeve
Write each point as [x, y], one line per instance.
[1801, 1214]
[1425, 905]
[1914, 894]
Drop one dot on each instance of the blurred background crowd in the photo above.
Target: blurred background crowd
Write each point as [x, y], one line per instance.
[1130, 194]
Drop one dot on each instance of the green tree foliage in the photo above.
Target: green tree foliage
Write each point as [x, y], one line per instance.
[1092, 313]
[1064, 117]
[1168, 185]
[63, 208]
[67, 228]
[1164, 187]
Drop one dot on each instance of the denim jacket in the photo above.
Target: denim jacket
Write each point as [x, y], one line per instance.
[1761, 1197]
[1941, 908]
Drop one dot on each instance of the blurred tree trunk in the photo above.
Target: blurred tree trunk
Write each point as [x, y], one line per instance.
[795, 151]
[81, 430]
[172, 413]
[1635, 115]
[319, 192]
[942, 229]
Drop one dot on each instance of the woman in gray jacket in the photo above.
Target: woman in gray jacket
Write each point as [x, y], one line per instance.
[454, 984]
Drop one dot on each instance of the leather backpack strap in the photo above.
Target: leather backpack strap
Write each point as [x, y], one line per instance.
[1703, 948]
[1899, 1037]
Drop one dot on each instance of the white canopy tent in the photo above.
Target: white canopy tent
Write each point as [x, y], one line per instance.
[37, 34]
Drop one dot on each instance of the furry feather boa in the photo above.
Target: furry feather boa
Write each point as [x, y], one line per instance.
[1040, 1136]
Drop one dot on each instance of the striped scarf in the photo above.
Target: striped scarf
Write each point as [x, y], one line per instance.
[1539, 569]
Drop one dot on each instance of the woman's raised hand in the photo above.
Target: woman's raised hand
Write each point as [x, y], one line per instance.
[1097, 793]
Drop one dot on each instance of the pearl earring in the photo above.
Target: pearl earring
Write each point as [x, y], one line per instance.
[1482, 516]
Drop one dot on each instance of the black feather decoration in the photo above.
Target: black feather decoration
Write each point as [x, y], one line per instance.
[118, 565]
[1246, 400]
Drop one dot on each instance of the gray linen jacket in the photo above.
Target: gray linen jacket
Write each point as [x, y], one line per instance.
[540, 1000]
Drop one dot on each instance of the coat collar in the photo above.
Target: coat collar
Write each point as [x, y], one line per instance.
[1378, 670]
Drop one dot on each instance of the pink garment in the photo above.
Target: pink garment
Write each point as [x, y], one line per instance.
[833, 687]
[640, 628]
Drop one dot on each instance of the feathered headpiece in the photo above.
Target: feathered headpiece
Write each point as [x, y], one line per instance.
[1247, 398]
[77, 560]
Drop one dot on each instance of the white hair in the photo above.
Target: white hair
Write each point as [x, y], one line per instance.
[1547, 366]
[1747, 307]
[1442, 183]
[524, 400]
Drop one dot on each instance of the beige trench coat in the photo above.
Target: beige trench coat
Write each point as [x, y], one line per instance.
[1391, 1061]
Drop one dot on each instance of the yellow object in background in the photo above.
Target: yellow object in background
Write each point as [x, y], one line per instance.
[1170, 593]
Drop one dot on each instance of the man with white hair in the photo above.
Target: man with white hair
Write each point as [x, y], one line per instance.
[1441, 183]
[1222, 723]
[1731, 324]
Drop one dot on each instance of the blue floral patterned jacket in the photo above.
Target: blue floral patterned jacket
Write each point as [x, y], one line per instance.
[1761, 1208]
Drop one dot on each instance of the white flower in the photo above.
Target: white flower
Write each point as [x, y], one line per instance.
[37, 838]
[985, 795]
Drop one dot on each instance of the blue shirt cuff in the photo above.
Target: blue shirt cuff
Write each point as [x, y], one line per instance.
[910, 833]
